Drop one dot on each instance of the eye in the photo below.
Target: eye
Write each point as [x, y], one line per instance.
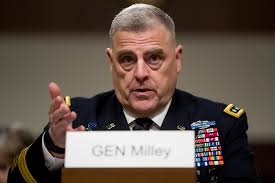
[154, 61]
[127, 62]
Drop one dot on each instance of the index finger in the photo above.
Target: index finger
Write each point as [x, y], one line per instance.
[54, 90]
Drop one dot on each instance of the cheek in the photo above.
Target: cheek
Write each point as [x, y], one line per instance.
[122, 80]
[128, 82]
[165, 78]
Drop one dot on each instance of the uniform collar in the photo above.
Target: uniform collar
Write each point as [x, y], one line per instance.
[158, 118]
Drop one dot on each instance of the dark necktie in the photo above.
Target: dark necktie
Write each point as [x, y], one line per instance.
[142, 124]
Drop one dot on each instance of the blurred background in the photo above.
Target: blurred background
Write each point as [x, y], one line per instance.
[229, 51]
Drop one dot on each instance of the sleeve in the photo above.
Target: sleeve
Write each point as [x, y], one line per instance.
[238, 159]
[51, 162]
[29, 166]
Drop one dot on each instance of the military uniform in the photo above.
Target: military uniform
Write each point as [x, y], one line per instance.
[222, 152]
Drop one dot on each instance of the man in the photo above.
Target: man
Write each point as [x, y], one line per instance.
[13, 139]
[145, 61]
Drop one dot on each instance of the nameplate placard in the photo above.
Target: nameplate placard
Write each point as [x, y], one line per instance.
[139, 149]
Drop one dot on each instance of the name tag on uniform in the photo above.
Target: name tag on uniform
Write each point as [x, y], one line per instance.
[125, 149]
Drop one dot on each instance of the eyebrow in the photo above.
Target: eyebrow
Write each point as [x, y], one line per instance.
[124, 52]
[156, 51]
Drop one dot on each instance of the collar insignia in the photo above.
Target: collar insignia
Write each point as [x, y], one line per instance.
[179, 127]
[110, 126]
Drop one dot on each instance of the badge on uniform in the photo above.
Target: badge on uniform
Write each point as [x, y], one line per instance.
[91, 126]
[207, 144]
[181, 128]
[110, 126]
[67, 100]
[234, 111]
[202, 124]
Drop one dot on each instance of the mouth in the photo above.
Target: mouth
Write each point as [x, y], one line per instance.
[143, 93]
[142, 90]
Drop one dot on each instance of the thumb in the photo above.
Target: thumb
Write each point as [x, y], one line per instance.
[80, 128]
[54, 90]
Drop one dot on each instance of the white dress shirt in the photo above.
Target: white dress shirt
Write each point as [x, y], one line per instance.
[157, 119]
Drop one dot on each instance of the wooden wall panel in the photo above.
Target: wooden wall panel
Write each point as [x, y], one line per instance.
[86, 15]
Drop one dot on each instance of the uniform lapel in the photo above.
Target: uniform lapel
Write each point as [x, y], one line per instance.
[113, 118]
[178, 117]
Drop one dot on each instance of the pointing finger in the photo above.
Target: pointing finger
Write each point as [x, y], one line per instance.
[55, 104]
[54, 90]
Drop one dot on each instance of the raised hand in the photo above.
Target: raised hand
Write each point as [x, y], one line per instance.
[60, 117]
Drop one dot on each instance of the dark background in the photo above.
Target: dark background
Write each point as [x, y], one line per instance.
[86, 15]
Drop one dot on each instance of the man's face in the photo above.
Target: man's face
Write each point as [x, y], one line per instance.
[144, 68]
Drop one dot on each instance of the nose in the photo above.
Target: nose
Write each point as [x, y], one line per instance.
[141, 71]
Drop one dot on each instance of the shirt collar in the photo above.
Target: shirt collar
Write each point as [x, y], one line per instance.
[158, 118]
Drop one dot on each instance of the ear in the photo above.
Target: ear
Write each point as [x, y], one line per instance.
[109, 52]
[179, 53]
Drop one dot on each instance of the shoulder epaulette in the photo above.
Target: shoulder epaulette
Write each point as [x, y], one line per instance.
[68, 101]
[233, 110]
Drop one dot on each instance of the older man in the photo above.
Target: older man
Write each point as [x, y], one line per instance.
[145, 61]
